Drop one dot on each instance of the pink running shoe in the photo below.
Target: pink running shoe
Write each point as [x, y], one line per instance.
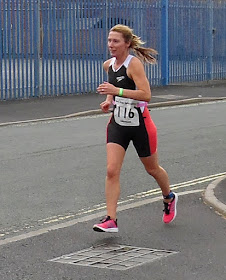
[106, 225]
[170, 210]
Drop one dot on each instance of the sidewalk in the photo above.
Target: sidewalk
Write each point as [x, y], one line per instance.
[51, 107]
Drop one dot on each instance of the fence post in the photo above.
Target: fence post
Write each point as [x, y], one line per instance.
[37, 46]
[165, 42]
[106, 27]
[105, 21]
[210, 41]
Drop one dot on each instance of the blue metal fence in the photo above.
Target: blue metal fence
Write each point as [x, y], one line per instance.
[57, 47]
[197, 41]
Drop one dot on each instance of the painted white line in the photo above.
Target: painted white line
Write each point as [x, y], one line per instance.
[48, 221]
[87, 218]
[180, 185]
[133, 197]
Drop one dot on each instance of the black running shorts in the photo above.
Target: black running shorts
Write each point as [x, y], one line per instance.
[144, 136]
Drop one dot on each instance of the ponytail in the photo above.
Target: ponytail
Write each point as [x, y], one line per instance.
[147, 55]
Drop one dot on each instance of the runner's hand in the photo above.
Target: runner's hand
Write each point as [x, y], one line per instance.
[105, 105]
[107, 89]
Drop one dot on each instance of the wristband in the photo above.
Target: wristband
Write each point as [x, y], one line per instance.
[120, 92]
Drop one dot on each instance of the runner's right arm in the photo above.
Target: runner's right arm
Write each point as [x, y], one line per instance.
[105, 105]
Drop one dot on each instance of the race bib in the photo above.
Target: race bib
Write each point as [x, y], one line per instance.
[125, 112]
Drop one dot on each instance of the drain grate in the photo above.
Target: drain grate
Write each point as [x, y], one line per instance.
[119, 257]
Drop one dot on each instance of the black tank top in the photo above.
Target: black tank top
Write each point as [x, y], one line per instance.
[119, 77]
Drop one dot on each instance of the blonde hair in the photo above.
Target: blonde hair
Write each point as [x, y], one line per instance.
[145, 54]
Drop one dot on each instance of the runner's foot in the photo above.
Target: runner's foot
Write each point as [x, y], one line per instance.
[170, 210]
[106, 225]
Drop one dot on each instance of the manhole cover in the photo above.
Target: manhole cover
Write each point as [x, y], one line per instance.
[119, 257]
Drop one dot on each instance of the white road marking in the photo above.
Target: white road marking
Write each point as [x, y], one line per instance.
[87, 218]
[102, 206]
[129, 200]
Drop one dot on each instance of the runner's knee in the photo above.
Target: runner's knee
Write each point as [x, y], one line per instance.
[112, 172]
[153, 171]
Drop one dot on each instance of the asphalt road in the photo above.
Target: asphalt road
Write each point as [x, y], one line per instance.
[53, 172]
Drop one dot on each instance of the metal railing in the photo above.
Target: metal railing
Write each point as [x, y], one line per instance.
[57, 47]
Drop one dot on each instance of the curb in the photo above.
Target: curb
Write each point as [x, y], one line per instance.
[80, 114]
[99, 111]
[210, 198]
[185, 101]
[202, 83]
